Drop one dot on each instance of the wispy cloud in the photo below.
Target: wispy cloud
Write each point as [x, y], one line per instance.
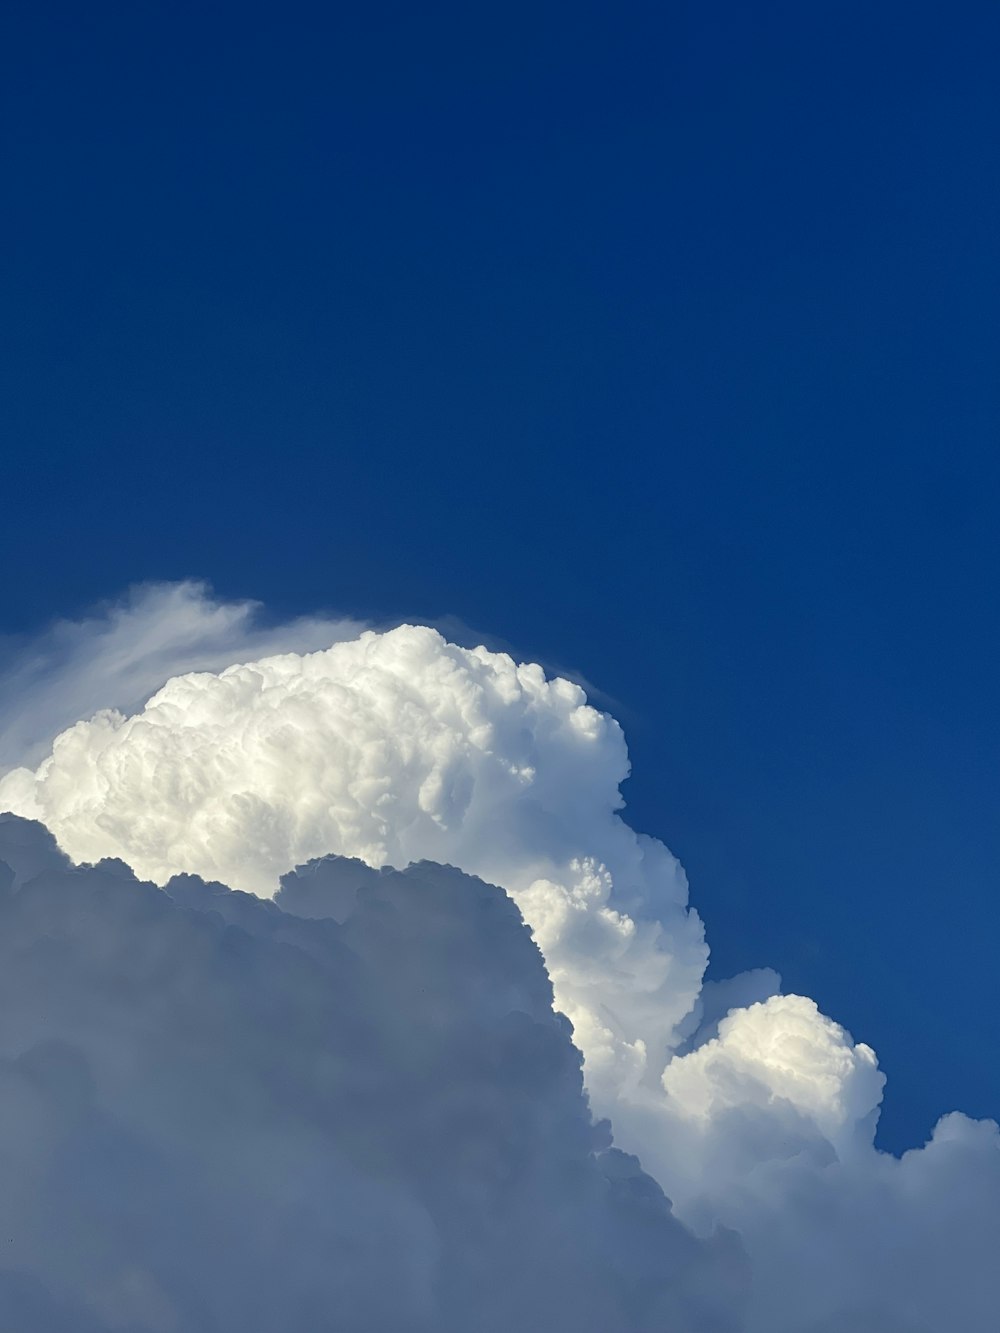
[119, 653]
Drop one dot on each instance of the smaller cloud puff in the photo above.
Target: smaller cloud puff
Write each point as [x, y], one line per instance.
[781, 1050]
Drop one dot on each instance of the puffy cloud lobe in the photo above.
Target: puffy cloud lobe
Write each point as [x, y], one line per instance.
[781, 1049]
[219, 1114]
[392, 748]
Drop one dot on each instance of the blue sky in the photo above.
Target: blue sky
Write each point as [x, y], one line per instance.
[661, 345]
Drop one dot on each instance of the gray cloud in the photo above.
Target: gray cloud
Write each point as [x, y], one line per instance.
[218, 1114]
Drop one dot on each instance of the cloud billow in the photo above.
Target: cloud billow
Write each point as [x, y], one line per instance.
[218, 1114]
[752, 1109]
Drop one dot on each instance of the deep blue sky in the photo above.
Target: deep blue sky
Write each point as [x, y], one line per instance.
[660, 340]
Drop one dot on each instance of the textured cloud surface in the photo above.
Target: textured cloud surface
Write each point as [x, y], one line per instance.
[392, 748]
[751, 1108]
[220, 1115]
[126, 650]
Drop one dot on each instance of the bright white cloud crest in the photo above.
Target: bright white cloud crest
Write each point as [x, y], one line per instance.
[781, 1048]
[751, 1108]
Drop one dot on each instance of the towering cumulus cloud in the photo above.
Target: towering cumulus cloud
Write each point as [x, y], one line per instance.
[391, 748]
[754, 1111]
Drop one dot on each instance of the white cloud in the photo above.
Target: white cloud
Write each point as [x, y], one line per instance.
[754, 1110]
[781, 1049]
[117, 656]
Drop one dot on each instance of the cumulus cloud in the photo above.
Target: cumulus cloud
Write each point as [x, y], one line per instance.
[781, 1049]
[754, 1110]
[219, 1114]
[391, 748]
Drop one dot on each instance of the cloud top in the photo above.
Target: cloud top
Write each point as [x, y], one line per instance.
[122, 652]
[781, 1049]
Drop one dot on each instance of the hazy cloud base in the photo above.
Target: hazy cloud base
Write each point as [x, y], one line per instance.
[220, 1115]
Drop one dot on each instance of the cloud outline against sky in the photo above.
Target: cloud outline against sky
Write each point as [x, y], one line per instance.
[753, 1110]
